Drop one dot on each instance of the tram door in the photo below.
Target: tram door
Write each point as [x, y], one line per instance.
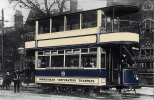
[113, 66]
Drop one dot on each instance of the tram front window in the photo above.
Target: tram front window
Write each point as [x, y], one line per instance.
[43, 61]
[88, 60]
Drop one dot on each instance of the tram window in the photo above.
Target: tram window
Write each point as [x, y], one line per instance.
[60, 51]
[57, 61]
[58, 24]
[40, 53]
[93, 50]
[88, 60]
[89, 19]
[43, 61]
[44, 26]
[46, 52]
[54, 52]
[73, 22]
[84, 50]
[103, 61]
[72, 61]
[76, 51]
[68, 51]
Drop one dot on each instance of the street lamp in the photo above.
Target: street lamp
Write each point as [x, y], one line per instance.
[2, 40]
[21, 52]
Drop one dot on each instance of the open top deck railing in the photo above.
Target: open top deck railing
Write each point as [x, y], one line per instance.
[120, 26]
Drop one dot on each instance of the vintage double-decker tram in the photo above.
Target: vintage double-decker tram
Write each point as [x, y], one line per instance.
[87, 50]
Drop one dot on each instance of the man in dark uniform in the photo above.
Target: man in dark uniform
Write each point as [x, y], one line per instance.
[16, 80]
[7, 80]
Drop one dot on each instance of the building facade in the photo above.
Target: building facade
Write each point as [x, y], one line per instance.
[18, 19]
[12, 37]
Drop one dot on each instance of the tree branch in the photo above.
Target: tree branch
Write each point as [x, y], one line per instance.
[46, 7]
[52, 5]
[32, 6]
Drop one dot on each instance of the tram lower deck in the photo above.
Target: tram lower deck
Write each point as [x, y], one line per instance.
[92, 66]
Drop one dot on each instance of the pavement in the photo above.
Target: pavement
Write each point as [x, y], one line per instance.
[146, 91]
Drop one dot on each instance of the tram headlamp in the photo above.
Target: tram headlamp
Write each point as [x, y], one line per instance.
[135, 48]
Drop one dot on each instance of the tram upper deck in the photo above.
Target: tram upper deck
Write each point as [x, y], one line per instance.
[86, 27]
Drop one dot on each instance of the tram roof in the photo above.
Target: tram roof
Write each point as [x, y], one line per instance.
[120, 10]
[116, 10]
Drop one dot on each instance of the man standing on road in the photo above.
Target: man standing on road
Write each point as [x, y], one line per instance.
[16, 80]
[6, 81]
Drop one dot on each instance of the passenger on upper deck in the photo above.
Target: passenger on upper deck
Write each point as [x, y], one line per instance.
[113, 21]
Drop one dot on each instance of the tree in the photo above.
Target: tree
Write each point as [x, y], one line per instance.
[43, 7]
[12, 41]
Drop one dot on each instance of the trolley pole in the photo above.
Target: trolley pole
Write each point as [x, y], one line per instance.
[2, 39]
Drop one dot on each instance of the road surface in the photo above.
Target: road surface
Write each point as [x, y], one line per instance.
[145, 93]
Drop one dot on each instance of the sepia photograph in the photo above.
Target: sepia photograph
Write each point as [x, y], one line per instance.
[76, 49]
